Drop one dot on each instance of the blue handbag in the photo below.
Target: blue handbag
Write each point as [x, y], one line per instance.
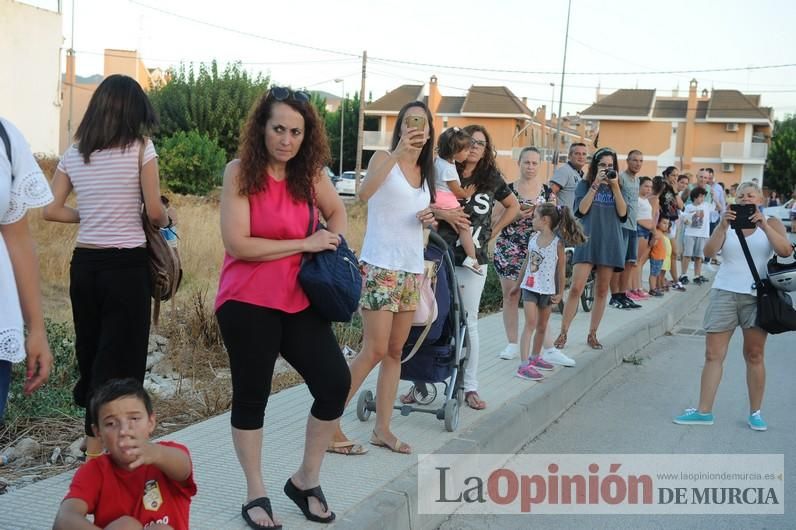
[331, 279]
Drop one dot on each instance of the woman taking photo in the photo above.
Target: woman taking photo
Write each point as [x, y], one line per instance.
[479, 170]
[733, 303]
[399, 188]
[261, 308]
[109, 280]
[602, 210]
[511, 248]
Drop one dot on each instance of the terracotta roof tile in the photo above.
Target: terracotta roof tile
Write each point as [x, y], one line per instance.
[732, 104]
[450, 105]
[670, 108]
[393, 100]
[493, 100]
[623, 103]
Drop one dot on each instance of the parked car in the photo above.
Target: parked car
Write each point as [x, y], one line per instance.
[334, 178]
[347, 183]
[781, 212]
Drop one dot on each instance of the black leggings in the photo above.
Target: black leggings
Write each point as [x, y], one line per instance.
[110, 290]
[254, 336]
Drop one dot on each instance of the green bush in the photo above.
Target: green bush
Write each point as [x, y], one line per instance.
[191, 162]
[54, 399]
[492, 296]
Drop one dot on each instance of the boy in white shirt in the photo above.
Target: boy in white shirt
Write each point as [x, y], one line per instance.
[697, 231]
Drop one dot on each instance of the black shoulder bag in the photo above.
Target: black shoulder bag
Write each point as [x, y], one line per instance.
[331, 279]
[775, 313]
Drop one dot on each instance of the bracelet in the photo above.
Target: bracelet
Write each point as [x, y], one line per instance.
[171, 223]
[595, 187]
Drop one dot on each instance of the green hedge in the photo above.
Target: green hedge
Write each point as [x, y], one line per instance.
[191, 163]
[54, 398]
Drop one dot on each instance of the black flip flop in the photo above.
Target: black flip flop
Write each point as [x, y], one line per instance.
[265, 504]
[300, 497]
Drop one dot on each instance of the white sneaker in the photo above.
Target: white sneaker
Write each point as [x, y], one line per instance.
[556, 356]
[509, 352]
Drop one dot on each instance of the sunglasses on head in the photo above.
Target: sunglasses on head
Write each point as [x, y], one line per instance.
[281, 93]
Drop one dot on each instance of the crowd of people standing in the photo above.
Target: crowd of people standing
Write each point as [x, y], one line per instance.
[614, 218]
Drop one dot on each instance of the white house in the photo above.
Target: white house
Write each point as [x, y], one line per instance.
[30, 95]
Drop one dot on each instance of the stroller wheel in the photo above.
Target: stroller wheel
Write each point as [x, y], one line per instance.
[424, 394]
[364, 405]
[451, 412]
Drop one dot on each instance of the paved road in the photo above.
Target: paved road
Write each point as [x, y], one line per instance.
[630, 411]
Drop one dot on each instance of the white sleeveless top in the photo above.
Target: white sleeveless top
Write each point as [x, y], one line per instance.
[394, 234]
[540, 274]
[644, 210]
[734, 274]
[29, 189]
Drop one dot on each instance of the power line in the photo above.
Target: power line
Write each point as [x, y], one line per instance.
[245, 33]
[456, 67]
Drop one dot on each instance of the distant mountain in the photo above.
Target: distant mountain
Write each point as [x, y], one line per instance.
[90, 80]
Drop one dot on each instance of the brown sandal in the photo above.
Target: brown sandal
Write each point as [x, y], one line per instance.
[561, 341]
[474, 401]
[592, 340]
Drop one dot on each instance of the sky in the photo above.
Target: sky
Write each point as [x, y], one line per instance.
[520, 44]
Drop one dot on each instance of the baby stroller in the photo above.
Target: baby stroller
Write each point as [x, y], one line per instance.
[441, 357]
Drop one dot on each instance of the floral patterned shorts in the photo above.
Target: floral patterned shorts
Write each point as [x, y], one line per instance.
[388, 290]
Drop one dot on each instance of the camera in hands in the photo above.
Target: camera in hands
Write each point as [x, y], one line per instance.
[610, 173]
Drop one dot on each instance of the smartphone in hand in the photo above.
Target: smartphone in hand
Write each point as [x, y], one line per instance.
[742, 214]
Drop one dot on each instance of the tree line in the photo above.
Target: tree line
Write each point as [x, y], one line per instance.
[202, 109]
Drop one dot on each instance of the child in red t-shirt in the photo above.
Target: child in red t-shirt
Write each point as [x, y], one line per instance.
[136, 484]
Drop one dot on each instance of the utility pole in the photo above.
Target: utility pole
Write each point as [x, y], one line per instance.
[71, 80]
[561, 93]
[342, 119]
[361, 126]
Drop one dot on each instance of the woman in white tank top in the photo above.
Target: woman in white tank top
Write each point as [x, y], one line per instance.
[399, 188]
[733, 303]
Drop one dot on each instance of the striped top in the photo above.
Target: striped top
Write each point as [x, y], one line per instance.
[108, 191]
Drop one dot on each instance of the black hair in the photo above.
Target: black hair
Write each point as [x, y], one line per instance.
[118, 114]
[595, 159]
[668, 171]
[642, 180]
[658, 184]
[682, 176]
[116, 389]
[426, 159]
[452, 141]
[696, 192]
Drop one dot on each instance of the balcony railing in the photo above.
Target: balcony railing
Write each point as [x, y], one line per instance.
[376, 140]
[741, 152]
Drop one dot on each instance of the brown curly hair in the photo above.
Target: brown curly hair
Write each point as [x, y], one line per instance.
[486, 174]
[302, 169]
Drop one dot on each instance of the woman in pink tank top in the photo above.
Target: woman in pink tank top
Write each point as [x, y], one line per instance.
[261, 309]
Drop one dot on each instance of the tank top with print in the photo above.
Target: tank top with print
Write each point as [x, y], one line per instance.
[540, 273]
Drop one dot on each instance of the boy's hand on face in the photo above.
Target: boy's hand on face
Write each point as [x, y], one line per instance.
[144, 452]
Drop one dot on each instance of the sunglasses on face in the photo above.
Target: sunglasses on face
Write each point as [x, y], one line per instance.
[478, 143]
[281, 93]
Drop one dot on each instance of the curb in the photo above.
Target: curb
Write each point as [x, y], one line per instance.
[526, 417]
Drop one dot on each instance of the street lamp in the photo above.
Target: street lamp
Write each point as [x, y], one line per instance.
[342, 119]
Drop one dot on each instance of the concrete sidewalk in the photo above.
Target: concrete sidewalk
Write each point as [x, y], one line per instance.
[379, 490]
